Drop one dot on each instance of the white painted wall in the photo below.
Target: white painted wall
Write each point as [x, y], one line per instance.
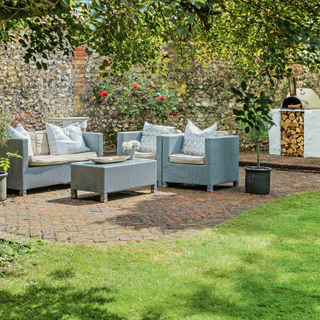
[275, 133]
[311, 134]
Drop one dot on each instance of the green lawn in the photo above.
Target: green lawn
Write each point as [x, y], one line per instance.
[262, 265]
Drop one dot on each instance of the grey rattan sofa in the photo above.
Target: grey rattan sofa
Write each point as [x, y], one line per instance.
[136, 135]
[22, 177]
[221, 162]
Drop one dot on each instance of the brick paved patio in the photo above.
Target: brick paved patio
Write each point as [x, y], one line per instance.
[138, 215]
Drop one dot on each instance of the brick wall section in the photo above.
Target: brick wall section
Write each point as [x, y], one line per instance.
[79, 61]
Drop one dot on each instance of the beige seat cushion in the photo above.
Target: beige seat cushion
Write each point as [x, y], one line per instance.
[47, 160]
[221, 133]
[185, 158]
[39, 142]
[145, 155]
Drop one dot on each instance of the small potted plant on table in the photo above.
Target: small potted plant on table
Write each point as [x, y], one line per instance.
[256, 121]
[130, 147]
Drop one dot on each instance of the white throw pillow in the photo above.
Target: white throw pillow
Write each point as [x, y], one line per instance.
[65, 140]
[194, 139]
[20, 133]
[150, 132]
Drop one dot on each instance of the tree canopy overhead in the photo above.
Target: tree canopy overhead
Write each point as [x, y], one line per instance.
[14, 9]
[253, 32]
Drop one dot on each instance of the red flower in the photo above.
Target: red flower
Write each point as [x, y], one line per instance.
[162, 98]
[109, 61]
[101, 94]
[174, 113]
[159, 97]
[135, 86]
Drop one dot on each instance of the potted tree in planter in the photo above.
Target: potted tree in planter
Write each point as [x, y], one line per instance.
[4, 161]
[256, 120]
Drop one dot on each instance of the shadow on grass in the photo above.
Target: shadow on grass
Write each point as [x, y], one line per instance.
[253, 296]
[242, 293]
[65, 302]
[62, 273]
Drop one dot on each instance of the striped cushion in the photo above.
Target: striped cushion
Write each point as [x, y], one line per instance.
[66, 140]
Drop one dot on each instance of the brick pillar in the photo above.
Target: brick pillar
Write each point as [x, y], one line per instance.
[78, 71]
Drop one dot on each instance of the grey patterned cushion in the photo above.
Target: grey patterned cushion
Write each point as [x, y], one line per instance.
[194, 139]
[150, 132]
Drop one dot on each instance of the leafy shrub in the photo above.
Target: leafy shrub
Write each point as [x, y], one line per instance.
[9, 250]
[136, 97]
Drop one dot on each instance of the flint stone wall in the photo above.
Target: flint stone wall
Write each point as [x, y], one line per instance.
[31, 96]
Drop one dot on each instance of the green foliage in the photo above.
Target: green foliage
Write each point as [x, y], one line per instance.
[11, 250]
[104, 85]
[266, 33]
[110, 140]
[162, 108]
[136, 97]
[255, 116]
[254, 135]
[4, 135]
[5, 162]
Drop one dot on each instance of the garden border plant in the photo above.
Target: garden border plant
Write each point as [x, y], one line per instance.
[5, 161]
[10, 250]
[136, 97]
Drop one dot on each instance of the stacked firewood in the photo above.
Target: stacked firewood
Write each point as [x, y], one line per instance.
[292, 130]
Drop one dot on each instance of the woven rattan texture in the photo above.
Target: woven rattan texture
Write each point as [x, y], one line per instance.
[22, 177]
[136, 135]
[112, 177]
[221, 162]
[94, 141]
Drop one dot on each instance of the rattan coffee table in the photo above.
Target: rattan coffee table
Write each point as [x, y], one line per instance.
[112, 177]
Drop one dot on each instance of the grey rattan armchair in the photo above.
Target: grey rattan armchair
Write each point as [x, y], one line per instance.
[22, 177]
[136, 135]
[221, 162]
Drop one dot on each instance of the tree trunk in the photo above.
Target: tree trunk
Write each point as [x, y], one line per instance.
[258, 154]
